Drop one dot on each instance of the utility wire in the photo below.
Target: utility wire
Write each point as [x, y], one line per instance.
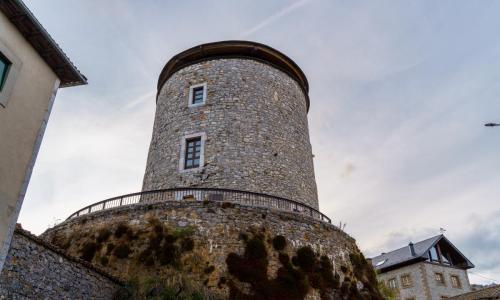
[480, 275]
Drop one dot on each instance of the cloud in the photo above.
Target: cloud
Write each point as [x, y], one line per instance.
[481, 242]
[274, 17]
[349, 168]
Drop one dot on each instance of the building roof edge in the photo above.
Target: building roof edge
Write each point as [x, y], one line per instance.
[235, 49]
[36, 35]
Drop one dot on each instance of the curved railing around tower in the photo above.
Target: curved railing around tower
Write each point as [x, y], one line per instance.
[204, 194]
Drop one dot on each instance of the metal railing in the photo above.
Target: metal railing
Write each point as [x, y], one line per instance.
[204, 194]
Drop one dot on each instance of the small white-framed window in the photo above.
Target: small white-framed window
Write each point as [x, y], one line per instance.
[392, 283]
[197, 94]
[192, 155]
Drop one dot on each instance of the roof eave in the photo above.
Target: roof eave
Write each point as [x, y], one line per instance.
[24, 20]
[401, 264]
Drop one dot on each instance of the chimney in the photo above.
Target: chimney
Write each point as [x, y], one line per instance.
[412, 249]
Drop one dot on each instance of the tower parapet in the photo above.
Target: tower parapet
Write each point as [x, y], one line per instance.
[233, 115]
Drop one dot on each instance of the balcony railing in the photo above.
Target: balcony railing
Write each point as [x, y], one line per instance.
[204, 194]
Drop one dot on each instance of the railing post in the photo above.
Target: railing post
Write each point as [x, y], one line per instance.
[121, 201]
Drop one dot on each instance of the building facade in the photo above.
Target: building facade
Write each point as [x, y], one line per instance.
[32, 68]
[233, 115]
[432, 269]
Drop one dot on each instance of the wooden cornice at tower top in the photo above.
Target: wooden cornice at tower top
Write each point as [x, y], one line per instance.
[22, 18]
[236, 49]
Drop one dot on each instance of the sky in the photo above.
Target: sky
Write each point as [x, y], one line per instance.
[399, 93]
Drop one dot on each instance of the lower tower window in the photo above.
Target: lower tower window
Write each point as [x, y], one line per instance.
[192, 151]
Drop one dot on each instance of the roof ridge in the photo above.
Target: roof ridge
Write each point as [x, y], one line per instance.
[414, 243]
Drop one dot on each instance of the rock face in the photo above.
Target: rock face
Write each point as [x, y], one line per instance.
[230, 251]
[255, 123]
[36, 270]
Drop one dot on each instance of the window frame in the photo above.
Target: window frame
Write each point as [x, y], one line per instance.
[191, 94]
[183, 154]
[5, 74]
[11, 74]
[459, 283]
[395, 280]
[193, 144]
[441, 275]
[410, 280]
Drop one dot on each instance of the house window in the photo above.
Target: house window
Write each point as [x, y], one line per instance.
[455, 281]
[433, 254]
[4, 69]
[197, 94]
[406, 281]
[193, 153]
[446, 258]
[439, 278]
[392, 283]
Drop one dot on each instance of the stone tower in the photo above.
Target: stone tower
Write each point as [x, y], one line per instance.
[233, 115]
[229, 199]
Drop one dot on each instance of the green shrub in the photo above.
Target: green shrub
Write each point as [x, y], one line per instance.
[187, 244]
[305, 258]
[104, 260]
[121, 251]
[279, 242]
[183, 232]
[243, 236]
[121, 229]
[169, 255]
[88, 251]
[109, 248]
[103, 235]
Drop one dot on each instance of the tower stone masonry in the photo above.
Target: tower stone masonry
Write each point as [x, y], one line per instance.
[252, 123]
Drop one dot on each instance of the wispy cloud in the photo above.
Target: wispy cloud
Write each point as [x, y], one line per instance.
[274, 17]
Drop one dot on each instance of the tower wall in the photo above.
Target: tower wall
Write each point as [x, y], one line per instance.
[255, 124]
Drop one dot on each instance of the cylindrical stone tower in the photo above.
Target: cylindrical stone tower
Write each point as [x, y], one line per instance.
[233, 115]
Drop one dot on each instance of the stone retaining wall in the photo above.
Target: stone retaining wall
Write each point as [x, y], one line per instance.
[36, 270]
[216, 229]
[218, 225]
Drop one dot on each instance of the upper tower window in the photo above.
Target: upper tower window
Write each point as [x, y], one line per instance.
[197, 94]
[4, 69]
